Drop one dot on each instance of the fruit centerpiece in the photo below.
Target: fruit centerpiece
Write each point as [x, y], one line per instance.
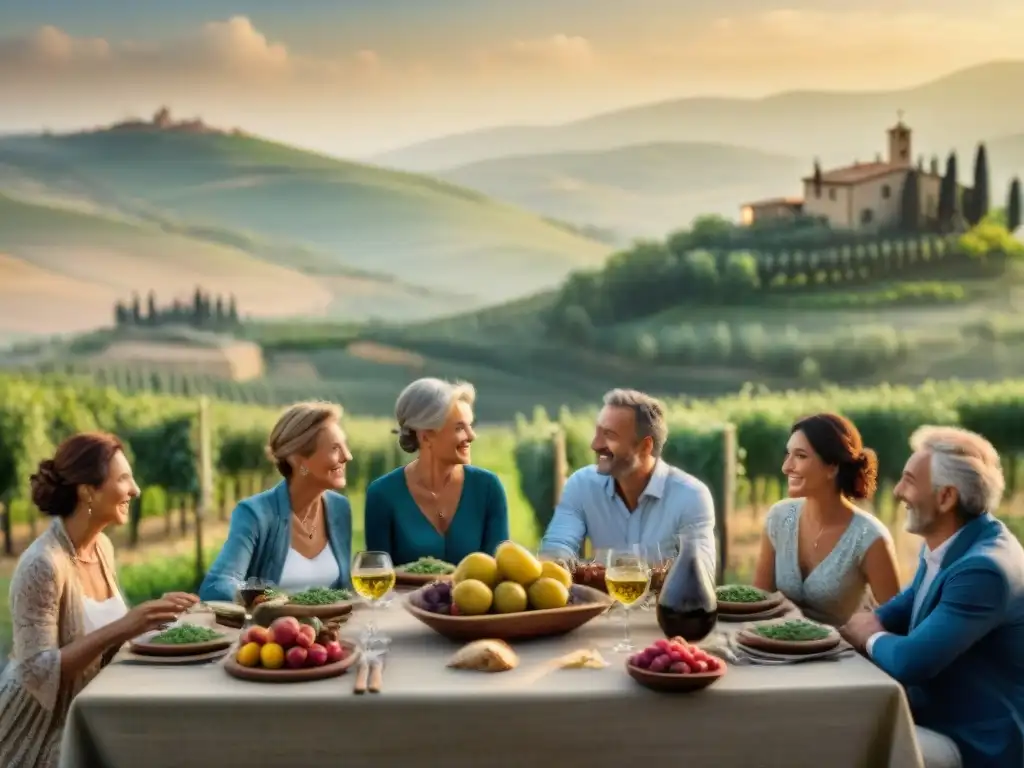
[675, 665]
[512, 595]
[291, 649]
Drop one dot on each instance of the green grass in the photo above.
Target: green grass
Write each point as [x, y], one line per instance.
[419, 229]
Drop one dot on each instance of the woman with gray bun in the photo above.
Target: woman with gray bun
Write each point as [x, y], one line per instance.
[438, 505]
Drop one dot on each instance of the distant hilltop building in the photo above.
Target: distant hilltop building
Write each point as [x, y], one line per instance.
[862, 196]
[163, 121]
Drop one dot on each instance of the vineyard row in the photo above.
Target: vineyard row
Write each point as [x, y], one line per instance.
[728, 442]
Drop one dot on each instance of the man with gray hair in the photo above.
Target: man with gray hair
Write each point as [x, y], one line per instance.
[631, 496]
[954, 637]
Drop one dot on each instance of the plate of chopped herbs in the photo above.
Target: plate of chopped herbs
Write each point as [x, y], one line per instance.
[789, 636]
[426, 570]
[182, 639]
[322, 602]
[745, 599]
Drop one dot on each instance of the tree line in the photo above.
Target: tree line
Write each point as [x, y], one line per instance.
[204, 311]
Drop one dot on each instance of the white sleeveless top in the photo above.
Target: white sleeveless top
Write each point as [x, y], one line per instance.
[301, 572]
[99, 613]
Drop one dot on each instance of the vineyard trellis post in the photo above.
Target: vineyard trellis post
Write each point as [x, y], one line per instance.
[205, 483]
[725, 507]
[560, 465]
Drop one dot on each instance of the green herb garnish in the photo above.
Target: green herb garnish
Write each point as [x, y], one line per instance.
[320, 596]
[740, 593]
[185, 634]
[796, 630]
[428, 566]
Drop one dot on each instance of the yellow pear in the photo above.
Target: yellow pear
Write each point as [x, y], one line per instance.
[510, 597]
[548, 593]
[553, 570]
[516, 563]
[472, 597]
[479, 566]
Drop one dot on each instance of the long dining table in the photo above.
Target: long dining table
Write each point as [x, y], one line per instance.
[841, 713]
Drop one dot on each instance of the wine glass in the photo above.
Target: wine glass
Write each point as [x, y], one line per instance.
[627, 577]
[373, 577]
[247, 594]
[659, 557]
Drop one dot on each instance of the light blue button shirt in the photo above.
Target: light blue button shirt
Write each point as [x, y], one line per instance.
[674, 503]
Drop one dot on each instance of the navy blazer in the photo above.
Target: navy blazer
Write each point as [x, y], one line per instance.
[260, 536]
[961, 659]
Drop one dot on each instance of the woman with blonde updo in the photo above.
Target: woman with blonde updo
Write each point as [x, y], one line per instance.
[298, 534]
[68, 613]
[438, 505]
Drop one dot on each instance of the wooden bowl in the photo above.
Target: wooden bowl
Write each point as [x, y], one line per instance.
[773, 601]
[752, 639]
[672, 683]
[143, 648]
[528, 625]
[283, 675]
[403, 579]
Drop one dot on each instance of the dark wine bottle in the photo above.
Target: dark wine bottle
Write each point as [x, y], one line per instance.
[687, 603]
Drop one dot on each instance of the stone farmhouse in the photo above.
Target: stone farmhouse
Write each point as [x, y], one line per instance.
[862, 196]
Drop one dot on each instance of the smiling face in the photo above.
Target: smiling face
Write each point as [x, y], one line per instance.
[924, 506]
[806, 474]
[111, 501]
[451, 443]
[325, 467]
[615, 442]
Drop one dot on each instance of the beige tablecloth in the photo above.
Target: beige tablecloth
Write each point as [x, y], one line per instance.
[834, 714]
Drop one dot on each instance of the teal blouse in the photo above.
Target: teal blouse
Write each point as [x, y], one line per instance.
[395, 524]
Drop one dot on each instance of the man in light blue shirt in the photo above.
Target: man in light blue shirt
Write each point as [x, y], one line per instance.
[631, 496]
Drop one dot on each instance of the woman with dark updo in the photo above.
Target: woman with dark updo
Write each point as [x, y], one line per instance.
[69, 616]
[438, 505]
[822, 552]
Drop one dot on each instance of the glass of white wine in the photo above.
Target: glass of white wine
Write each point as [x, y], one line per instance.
[373, 577]
[627, 577]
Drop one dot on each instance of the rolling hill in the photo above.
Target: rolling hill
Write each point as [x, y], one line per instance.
[339, 215]
[62, 267]
[953, 111]
[640, 190]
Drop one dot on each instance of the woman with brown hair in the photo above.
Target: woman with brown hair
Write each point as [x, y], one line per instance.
[68, 613]
[820, 550]
[299, 533]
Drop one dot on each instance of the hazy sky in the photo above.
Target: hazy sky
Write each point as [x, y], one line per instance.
[359, 76]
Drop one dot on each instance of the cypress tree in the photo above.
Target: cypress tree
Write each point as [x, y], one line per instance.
[979, 206]
[949, 193]
[1013, 211]
[910, 203]
[817, 179]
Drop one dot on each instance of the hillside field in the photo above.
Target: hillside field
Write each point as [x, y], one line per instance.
[365, 242]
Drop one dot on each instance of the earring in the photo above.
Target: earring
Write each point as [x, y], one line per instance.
[88, 510]
[303, 471]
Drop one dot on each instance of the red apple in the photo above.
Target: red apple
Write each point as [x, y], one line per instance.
[257, 634]
[306, 636]
[316, 655]
[296, 657]
[284, 631]
[335, 651]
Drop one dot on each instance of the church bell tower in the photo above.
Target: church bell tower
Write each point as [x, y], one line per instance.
[900, 150]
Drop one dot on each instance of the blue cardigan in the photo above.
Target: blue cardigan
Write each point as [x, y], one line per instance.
[260, 537]
[961, 658]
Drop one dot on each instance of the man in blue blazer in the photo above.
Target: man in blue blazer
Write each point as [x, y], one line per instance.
[955, 637]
